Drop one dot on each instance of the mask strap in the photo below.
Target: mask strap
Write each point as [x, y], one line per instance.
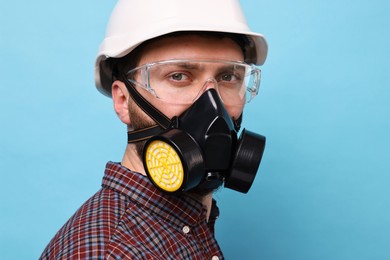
[148, 108]
[162, 121]
[143, 134]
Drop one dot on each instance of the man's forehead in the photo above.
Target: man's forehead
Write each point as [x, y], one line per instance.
[190, 46]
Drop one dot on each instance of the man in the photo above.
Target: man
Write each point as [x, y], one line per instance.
[179, 74]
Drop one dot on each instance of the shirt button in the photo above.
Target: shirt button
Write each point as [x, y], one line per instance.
[215, 258]
[186, 229]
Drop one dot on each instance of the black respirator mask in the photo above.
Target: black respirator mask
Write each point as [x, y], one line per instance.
[199, 148]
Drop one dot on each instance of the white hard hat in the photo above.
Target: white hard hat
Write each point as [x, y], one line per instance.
[132, 22]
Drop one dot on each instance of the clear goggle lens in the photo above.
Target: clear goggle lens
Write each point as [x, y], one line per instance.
[183, 81]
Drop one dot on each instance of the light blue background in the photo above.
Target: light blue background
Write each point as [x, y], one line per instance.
[322, 189]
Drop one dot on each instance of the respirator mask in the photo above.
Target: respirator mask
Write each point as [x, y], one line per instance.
[199, 148]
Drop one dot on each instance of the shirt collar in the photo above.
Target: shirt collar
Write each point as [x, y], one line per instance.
[137, 187]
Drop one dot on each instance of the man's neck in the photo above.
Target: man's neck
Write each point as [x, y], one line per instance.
[131, 160]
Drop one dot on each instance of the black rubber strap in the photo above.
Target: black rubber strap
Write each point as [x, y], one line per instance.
[143, 134]
[148, 108]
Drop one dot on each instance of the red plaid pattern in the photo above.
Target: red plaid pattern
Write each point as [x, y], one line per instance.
[130, 219]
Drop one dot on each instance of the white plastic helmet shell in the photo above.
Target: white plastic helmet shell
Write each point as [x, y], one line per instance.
[134, 21]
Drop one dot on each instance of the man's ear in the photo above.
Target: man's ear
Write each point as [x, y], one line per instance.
[120, 97]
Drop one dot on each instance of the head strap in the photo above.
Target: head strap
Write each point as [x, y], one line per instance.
[162, 121]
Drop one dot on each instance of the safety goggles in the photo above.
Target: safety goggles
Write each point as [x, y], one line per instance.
[183, 81]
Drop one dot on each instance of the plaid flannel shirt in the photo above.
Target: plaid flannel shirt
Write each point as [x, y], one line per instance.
[130, 219]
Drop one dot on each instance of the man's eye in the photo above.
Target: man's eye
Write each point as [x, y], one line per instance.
[178, 76]
[228, 77]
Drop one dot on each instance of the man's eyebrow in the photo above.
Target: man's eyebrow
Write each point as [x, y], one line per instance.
[199, 66]
[188, 65]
